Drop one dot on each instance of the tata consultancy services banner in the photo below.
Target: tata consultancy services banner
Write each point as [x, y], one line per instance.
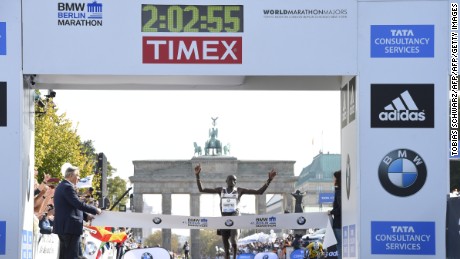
[164, 37]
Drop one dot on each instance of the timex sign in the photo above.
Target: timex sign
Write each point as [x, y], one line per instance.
[193, 50]
[402, 105]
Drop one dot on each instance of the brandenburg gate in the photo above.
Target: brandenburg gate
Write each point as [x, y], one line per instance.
[167, 177]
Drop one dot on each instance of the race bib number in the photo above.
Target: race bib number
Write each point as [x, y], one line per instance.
[229, 204]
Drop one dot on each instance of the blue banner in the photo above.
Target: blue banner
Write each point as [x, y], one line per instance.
[2, 38]
[245, 256]
[297, 254]
[2, 237]
[326, 197]
[402, 41]
[403, 237]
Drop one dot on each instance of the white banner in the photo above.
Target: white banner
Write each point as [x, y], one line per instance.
[268, 221]
[48, 247]
[86, 182]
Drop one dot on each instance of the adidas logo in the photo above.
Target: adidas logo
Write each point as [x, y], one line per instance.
[402, 108]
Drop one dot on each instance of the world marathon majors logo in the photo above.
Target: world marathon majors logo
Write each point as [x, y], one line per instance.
[402, 172]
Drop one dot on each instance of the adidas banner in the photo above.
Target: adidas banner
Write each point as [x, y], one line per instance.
[273, 221]
[402, 105]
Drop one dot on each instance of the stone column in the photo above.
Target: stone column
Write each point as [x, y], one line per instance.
[195, 241]
[288, 202]
[138, 205]
[166, 210]
[261, 204]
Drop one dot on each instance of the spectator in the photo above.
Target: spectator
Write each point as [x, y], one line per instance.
[297, 243]
[70, 212]
[45, 225]
[186, 250]
[336, 212]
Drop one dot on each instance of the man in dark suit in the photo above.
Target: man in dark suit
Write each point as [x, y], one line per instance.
[69, 213]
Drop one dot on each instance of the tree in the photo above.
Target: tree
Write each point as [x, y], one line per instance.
[117, 187]
[57, 142]
[209, 241]
[156, 239]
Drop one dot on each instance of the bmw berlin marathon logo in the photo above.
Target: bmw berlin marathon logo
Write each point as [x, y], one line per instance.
[402, 105]
[402, 172]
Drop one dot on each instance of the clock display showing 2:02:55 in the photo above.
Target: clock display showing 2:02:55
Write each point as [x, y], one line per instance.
[192, 18]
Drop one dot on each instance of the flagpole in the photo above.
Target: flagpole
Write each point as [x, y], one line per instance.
[122, 196]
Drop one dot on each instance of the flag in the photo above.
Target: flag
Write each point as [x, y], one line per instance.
[101, 233]
[119, 237]
[86, 182]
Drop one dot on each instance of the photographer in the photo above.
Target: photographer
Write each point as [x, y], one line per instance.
[46, 223]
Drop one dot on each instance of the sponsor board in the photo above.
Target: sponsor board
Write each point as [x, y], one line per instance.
[79, 14]
[27, 243]
[402, 105]
[2, 237]
[345, 244]
[191, 50]
[2, 38]
[3, 104]
[402, 172]
[348, 97]
[348, 177]
[402, 41]
[403, 237]
[352, 240]
[326, 197]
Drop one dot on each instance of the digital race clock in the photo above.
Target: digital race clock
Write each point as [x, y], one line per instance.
[192, 18]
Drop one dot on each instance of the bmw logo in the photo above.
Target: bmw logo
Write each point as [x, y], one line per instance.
[348, 176]
[301, 220]
[229, 223]
[147, 255]
[265, 257]
[402, 172]
[156, 220]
